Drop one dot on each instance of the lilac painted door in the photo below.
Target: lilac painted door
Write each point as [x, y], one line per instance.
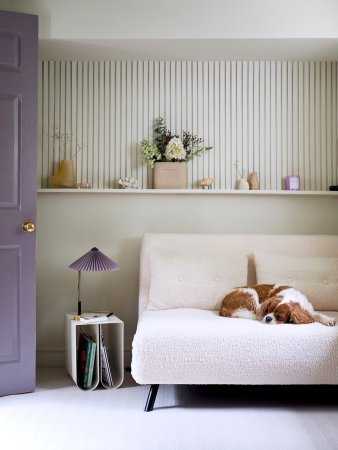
[18, 137]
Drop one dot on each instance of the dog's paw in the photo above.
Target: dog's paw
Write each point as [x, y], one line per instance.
[329, 321]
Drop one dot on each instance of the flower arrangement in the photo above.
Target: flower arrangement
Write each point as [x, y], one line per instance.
[168, 147]
[65, 141]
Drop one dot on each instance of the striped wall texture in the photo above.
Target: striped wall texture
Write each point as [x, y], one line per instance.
[277, 118]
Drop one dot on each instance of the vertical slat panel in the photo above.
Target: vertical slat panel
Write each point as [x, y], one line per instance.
[128, 123]
[140, 115]
[189, 119]
[289, 119]
[318, 122]
[267, 126]
[215, 128]
[229, 169]
[118, 114]
[334, 123]
[307, 169]
[44, 118]
[261, 153]
[101, 128]
[256, 117]
[134, 121]
[284, 148]
[279, 140]
[329, 159]
[250, 115]
[233, 119]
[298, 121]
[200, 116]
[323, 143]
[222, 128]
[239, 118]
[312, 125]
[276, 118]
[273, 143]
[107, 130]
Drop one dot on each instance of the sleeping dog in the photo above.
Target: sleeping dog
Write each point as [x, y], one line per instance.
[272, 304]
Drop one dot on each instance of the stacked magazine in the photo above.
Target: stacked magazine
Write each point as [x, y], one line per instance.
[106, 377]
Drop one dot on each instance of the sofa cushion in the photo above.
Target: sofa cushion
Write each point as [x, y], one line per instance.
[199, 279]
[194, 346]
[316, 277]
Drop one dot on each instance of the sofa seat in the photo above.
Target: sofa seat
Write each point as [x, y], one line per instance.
[195, 346]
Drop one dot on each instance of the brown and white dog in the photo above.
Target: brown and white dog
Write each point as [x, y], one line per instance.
[272, 304]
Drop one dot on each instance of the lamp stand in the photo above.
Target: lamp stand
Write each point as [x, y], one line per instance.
[78, 294]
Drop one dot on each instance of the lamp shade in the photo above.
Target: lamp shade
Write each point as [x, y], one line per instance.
[94, 261]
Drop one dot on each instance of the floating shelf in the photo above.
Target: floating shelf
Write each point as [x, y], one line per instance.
[189, 192]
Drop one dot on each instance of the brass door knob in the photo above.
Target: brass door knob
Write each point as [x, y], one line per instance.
[28, 226]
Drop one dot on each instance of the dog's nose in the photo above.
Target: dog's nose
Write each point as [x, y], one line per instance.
[268, 319]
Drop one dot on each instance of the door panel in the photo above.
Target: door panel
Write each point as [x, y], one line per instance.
[18, 141]
[9, 155]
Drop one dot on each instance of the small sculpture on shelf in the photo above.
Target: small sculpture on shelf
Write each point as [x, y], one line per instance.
[242, 182]
[207, 183]
[253, 181]
[128, 183]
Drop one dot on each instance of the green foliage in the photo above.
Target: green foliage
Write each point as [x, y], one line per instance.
[152, 153]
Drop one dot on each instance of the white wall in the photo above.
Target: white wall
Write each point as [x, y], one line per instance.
[108, 19]
[69, 224]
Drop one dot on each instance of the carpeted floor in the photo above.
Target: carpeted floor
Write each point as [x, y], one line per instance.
[61, 416]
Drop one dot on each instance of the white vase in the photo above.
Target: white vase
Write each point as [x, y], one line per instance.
[243, 184]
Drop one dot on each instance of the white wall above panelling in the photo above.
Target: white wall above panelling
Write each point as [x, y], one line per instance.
[274, 117]
[189, 49]
[107, 19]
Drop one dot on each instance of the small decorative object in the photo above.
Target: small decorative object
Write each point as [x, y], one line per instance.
[169, 149]
[83, 186]
[333, 188]
[253, 181]
[128, 183]
[65, 177]
[92, 261]
[292, 183]
[207, 183]
[243, 183]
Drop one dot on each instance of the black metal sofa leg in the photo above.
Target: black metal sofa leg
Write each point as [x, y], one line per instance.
[151, 397]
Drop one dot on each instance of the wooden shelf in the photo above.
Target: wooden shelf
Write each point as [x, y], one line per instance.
[189, 192]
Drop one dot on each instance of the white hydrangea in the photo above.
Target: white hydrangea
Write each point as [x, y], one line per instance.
[175, 150]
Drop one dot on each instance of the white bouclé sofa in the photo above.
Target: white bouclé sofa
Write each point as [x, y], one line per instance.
[180, 337]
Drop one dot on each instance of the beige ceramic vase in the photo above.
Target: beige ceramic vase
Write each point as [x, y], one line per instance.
[66, 176]
[253, 181]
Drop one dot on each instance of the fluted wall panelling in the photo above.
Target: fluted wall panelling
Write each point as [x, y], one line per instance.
[274, 117]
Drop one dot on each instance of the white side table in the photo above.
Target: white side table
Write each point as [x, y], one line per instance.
[113, 333]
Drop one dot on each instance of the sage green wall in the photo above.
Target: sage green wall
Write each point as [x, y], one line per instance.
[69, 224]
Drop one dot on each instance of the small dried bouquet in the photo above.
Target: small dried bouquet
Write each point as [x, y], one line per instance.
[168, 147]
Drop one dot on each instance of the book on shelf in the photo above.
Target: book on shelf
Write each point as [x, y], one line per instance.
[92, 317]
[85, 360]
[106, 376]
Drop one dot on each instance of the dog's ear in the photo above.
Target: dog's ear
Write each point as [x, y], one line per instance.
[299, 315]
